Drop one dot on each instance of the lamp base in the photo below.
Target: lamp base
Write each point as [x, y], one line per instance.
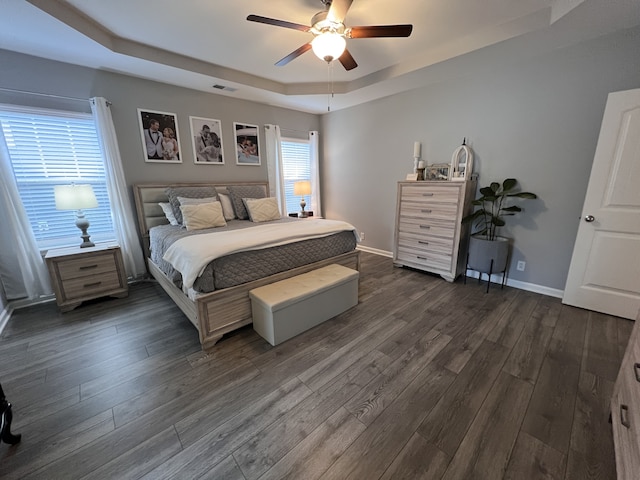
[83, 224]
[302, 213]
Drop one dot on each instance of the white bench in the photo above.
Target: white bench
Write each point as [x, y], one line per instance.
[287, 308]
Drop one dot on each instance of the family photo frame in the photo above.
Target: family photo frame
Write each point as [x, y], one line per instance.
[437, 171]
[247, 144]
[206, 138]
[160, 137]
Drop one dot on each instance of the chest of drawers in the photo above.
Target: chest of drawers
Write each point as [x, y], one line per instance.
[429, 234]
[80, 274]
[625, 410]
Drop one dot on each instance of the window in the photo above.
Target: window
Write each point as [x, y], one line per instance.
[296, 166]
[48, 148]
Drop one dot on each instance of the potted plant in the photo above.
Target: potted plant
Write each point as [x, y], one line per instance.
[485, 245]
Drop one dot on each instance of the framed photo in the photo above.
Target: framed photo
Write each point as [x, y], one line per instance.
[159, 134]
[206, 138]
[437, 171]
[247, 146]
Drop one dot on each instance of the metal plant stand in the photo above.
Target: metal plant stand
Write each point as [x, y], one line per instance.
[504, 274]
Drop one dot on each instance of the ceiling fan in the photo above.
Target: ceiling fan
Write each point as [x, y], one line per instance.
[330, 33]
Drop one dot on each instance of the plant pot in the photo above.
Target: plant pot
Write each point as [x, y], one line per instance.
[482, 251]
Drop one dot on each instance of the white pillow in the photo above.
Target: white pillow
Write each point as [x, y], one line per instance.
[168, 212]
[227, 206]
[202, 215]
[262, 209]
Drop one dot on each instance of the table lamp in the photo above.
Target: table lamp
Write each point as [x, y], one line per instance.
[77, 197]
[302, 188]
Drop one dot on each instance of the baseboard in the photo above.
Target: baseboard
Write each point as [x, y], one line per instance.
[375, 251]
[529, 287]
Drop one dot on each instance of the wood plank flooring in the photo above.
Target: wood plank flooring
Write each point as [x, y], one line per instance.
[423, 379]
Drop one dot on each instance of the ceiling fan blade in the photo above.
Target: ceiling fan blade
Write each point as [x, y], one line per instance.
[338, 10]
[347, 60]
[278, 23]
[293, 55]
[373, 31]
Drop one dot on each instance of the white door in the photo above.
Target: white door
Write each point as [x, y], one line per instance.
[604, 275]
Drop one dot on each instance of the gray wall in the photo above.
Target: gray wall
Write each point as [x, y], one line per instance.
[537, 120]
[127, 93]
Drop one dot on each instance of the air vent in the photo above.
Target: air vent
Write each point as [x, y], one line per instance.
[224, 87]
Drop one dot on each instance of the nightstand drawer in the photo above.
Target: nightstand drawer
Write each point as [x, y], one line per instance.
[90, 286]
[87, 266]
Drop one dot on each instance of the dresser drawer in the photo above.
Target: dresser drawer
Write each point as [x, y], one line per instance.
[445, 211]
[625, 420]
[82, 287]
[435, 194]
[86, 266]
[429, 260]
[427, 227]
[425, 243]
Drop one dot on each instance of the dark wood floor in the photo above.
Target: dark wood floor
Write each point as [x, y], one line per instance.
[422, 379]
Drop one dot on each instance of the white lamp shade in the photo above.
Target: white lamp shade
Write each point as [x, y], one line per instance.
[74, 197]
[302, 188]
[328, 46]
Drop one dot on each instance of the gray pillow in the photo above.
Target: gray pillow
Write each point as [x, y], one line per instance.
[191, 192]
[238, 192]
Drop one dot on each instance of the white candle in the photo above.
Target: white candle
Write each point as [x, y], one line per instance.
[421, 164]
[416, 149]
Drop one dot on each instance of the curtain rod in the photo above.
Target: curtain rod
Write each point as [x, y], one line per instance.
[12, 90]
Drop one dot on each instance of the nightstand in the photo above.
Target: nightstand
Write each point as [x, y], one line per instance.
[80, 274]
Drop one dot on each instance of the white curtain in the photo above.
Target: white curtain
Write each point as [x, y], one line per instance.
[22, 269]
[121, 211]
[316, 205]
[274, 166]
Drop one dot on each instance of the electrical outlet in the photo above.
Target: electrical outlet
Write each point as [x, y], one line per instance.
[361, 235]
[521, 265]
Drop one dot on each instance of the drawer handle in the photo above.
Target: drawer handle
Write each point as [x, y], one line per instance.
[94, 284]
[636, 368]
[425, 226]
[425, 211]
[88, 267]
[624, 416]
[427, 243]
[421, 258]
[427, 194]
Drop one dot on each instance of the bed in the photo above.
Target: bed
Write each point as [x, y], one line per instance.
[219, 307]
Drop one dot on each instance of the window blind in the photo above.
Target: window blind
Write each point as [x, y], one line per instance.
[49, 148]
[296, 166]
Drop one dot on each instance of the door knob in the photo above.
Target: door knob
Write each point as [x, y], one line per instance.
[589, 218]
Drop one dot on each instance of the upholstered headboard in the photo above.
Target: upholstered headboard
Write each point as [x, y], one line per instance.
[150, 214]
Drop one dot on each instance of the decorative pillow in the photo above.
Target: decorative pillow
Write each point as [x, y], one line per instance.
[195, 201]
[238, 192]
[203, 215]
[168, 212]
[262, 209]
[192, 192]
[227, 207]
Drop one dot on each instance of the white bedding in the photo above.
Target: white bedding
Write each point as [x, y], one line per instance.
[190, 255]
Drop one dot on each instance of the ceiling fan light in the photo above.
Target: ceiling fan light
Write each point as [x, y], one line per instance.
[328, 46]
